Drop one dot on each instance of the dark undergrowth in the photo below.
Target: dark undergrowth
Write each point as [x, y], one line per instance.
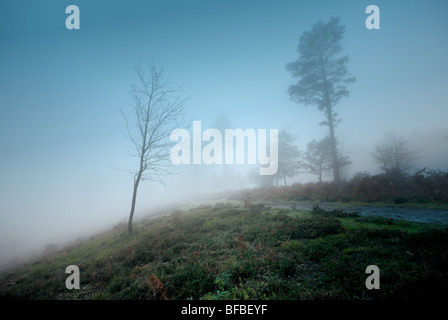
[424, 188]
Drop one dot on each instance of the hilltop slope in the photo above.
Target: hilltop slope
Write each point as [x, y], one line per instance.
[254, 252]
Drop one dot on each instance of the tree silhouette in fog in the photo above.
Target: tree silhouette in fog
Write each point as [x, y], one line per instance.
[323, 76]
[317, 158]
[288, 156]
[156, 111]
[394, 155]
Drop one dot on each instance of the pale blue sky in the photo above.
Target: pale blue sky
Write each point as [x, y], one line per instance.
[62, 137]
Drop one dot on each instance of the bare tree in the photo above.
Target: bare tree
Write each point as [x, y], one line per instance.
[288, 156]
[157, 110]
[394, 155]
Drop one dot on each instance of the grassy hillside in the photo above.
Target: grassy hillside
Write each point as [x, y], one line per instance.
[254, 252]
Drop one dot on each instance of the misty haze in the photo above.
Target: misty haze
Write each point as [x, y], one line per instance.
[219, 133]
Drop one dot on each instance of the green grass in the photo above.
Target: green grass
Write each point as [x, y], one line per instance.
[230, 252]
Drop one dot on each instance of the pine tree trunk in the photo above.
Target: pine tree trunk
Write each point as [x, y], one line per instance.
[334, 153]
[329, 114]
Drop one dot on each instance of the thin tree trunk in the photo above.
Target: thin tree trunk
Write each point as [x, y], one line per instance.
[134, 199]
[139, 175]
[334, 153]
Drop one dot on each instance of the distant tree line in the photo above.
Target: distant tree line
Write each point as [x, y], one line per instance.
[396, 182]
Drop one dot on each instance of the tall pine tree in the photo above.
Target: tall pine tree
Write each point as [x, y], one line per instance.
[322, 72]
